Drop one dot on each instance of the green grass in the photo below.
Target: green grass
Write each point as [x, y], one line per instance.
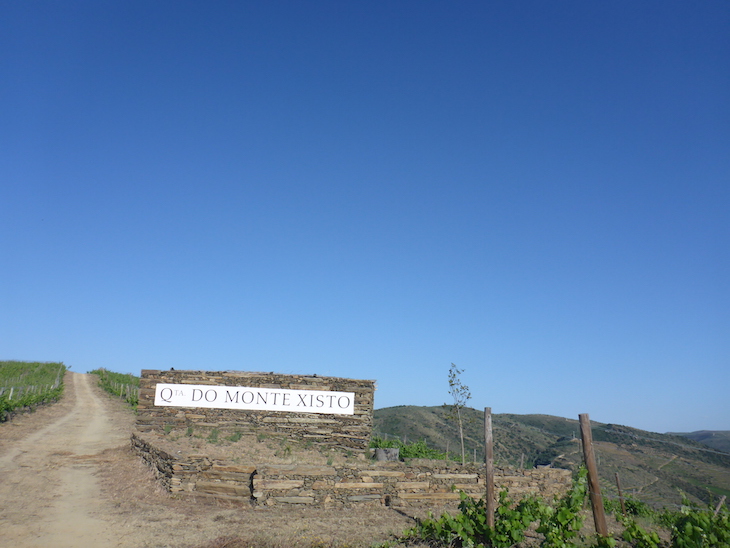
[235, 437]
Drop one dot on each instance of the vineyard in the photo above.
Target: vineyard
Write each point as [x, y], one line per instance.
[123, 385]
[560, 524]
[25, 385]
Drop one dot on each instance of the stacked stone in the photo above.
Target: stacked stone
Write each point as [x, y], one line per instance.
[396, 484]
[344, 431]
[391, 483]
[419, 482]
[161, 462]
[224, 481]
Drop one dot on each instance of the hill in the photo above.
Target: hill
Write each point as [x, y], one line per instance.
[716, 439]
[653, 467]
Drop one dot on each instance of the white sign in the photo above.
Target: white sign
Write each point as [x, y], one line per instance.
[261, 399]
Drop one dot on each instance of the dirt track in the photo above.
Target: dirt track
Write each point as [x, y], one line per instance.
[50, 493]
[69, 480]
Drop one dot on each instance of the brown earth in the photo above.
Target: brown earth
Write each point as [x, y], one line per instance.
[69, 479]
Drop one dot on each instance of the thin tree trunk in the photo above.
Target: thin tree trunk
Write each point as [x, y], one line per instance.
[461, 436]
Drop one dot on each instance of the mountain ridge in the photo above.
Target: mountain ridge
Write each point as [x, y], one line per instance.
[655, 467]
[716, 439]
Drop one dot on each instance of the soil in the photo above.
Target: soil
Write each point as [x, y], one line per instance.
[68, 479]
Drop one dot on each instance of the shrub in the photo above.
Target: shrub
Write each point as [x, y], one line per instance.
[414, 450]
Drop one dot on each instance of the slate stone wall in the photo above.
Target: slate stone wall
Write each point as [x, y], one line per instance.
[419, 482]
[345, 431]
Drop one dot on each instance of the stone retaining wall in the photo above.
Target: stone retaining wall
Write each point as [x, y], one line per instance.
[418, 482]
[346, 431]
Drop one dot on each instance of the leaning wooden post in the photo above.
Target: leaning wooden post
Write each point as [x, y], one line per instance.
[489, 462]
[599, 517]
[719, 505]
[620, 495]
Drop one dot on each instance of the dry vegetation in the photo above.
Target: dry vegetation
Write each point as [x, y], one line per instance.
[133, 489]
[254, 449]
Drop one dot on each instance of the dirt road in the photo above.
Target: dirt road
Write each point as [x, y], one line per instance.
[49, 490]
[69, 480]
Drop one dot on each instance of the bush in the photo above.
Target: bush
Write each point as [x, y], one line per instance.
[414, 450]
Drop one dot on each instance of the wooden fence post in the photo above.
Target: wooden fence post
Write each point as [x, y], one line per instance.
[719, 504]
[599, 516]
[620, 495]
[489, 462]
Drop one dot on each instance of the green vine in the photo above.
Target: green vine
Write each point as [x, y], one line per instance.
[695, 527]
[638, 537]
[28, 401]
[123, 385]
[561, 524]
[558, 524]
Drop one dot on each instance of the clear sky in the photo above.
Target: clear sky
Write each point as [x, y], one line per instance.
[538, 192]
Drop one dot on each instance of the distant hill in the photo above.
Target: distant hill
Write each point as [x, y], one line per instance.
[716, 439]
[653, 467]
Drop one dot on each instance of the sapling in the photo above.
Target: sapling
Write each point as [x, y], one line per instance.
[461, 394]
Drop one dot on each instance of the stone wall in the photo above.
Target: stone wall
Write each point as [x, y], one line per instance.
[346, 431]
[418, 482]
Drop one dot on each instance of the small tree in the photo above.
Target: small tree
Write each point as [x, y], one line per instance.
[461, 394]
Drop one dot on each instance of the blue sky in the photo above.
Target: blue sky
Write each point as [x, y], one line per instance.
[535, 191]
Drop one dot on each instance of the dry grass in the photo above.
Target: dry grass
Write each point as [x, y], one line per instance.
[139, 500]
